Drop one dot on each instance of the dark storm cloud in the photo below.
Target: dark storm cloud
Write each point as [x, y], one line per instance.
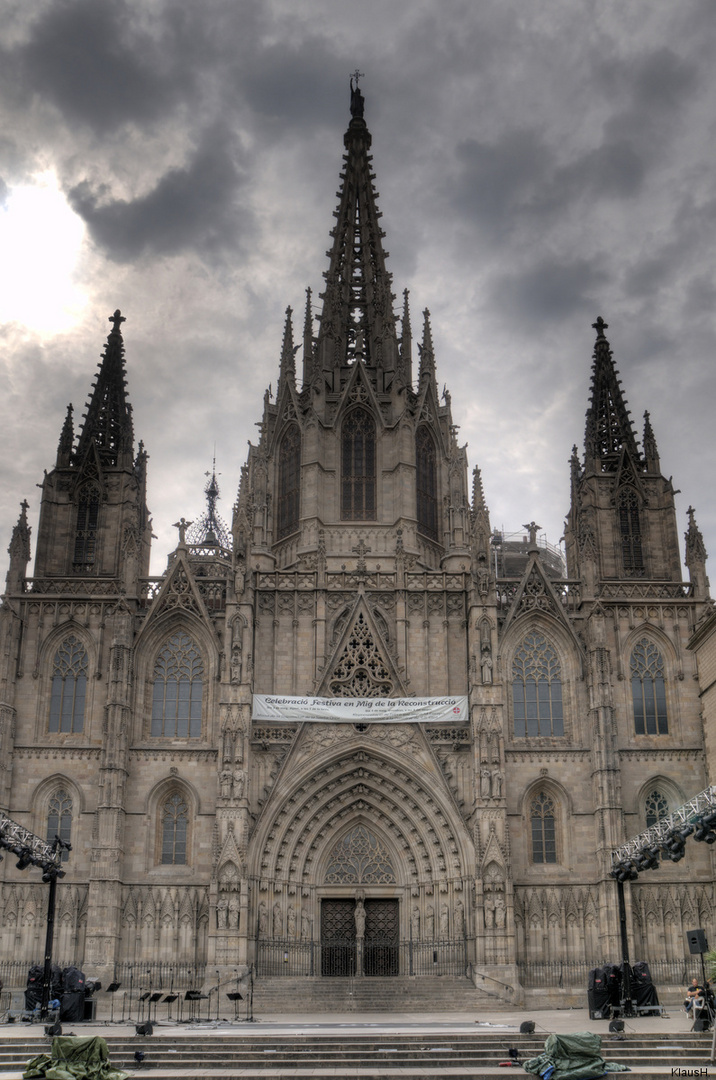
[95, 64]
[497, 180]
[193, 207]
[550, 289]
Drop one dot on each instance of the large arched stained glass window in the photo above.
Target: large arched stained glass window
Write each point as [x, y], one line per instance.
[174, 830]
[536, 688]
[178, 685]
[289, 482]
[648, 689]
[544, 837]
[86, 529]
[59, 819]
[630, 533]
[358, 467]
[426, 482]
[69, 687]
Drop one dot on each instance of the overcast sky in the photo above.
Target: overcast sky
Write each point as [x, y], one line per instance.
[538, 164]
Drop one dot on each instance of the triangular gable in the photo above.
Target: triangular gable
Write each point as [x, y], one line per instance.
[358, 391]
[493, 853]
[178, 592]
[627, 474]
[427, 412]
[536, 593]
[90, 470]
[361, 665]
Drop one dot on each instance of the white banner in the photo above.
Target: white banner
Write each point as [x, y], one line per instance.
[444, 710]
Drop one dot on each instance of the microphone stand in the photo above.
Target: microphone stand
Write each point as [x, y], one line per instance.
[131, 986]
[218, 994]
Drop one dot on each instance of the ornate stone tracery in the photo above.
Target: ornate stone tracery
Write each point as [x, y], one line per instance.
[359, 858]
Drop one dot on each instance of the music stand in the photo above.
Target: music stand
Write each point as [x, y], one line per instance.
[236, 998]
[153, 1000]
[168, 1000]
[192, 996]
[112, 989]
[144, 997]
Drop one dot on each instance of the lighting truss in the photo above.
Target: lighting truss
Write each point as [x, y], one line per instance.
[28, 847]
[660, 833]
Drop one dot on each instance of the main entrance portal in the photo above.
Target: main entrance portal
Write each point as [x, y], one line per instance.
[342, 953]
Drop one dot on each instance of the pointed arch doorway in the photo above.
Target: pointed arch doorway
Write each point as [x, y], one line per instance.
[360, 933]
[374, 952]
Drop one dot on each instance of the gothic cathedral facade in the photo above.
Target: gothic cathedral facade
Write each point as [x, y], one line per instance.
[361, 564]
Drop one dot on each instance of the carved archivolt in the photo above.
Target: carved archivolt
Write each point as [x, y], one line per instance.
[361, 788]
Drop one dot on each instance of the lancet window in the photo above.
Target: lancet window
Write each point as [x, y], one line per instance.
[59, 819]
[358, 467]
[178, 687]
[174, 830]
[648, 689]
[630, 533]
[544, 837]
[69, 687]
[289, 481]
[426, 483]
[86, 530]
[537, 688]
[656, 806]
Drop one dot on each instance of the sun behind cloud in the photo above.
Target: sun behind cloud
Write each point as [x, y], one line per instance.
[40, 241]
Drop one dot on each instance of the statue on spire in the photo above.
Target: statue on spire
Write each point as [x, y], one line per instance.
[357, 99]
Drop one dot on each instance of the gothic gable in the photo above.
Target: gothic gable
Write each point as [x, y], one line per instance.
[178, 594]
[361, 665]
[536, 594]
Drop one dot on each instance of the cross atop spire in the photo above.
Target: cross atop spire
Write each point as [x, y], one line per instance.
[608, 428]
[108, 420]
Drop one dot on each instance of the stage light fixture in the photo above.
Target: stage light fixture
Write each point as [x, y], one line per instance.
[616, 1026]
[25, 859]
[53, 1029]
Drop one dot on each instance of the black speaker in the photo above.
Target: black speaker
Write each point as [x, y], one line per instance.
[144, 1029]
[527, 1027]
[696, 940]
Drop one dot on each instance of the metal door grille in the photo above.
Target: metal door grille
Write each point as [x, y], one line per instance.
[338, 937]
[381, 954]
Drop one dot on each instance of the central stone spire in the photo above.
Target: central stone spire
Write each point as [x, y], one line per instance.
[357, 321]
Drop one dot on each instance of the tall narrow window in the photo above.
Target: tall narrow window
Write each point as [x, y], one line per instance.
[544, 841]
[630, 533]
[178, 684]
[289, 481]
[537, 688]
[59, 819]
[656, 807]
[648, 689]
[175, 823]
[86, 531]
[426, 483]
[358, 471]
[69, 687]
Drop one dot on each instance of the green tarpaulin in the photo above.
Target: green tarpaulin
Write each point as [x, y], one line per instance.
[572, 1057]
[73, 1058]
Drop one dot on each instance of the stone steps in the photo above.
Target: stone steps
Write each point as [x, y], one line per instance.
[183, 1056]
[445, 993]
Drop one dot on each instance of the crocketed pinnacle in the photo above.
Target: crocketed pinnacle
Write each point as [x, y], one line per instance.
[308, 340]
[406, 342]
[651, 452]
[357, 321]
[608, 429]
[287, 372]
[108, 420]
[67, 438]
[427, 354]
